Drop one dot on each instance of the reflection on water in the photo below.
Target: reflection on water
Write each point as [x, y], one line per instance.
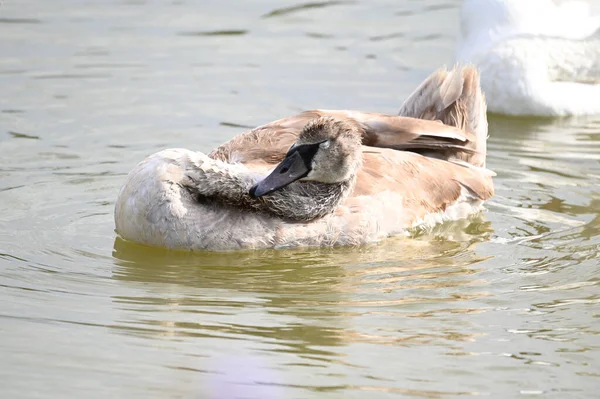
[304, 308]
[501, 305]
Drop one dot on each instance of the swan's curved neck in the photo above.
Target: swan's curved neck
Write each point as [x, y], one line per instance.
[305, 200]
[230, 184]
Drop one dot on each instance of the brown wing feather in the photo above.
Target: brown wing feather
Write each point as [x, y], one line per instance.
[455, 98]
[270, 142]
[400, 132]
[266, 144]
[427, 184]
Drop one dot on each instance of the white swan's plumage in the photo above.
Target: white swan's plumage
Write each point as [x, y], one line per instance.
[535, 57]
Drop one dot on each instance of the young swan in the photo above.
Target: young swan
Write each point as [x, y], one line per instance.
[417, 169]
[316, 175]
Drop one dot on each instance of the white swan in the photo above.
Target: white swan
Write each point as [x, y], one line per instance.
[535, 57]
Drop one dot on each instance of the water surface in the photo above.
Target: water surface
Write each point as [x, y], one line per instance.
[502, 305]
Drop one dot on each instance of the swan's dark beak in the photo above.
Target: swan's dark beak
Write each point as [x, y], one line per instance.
[288, 171]
[296, 165]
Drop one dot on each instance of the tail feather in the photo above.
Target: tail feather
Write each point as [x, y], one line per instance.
[455, 98]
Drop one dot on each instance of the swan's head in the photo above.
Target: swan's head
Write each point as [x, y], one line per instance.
[328, 150]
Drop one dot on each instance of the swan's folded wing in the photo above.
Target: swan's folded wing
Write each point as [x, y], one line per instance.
[269, 143]
[409, 134]
[444, 118]
[425, 185]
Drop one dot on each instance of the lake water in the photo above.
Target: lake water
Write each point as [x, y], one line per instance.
[504, 306]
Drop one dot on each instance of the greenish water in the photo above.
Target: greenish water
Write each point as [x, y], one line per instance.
[502, 306]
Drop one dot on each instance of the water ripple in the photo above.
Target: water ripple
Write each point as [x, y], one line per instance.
[304, 6]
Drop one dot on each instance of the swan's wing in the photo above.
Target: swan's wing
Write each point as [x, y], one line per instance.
[269, 143]
[400, 132]
[454, 97]
[434, 96]
[425, 185]
[427, 137]
[444, 118]
[266, 144]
